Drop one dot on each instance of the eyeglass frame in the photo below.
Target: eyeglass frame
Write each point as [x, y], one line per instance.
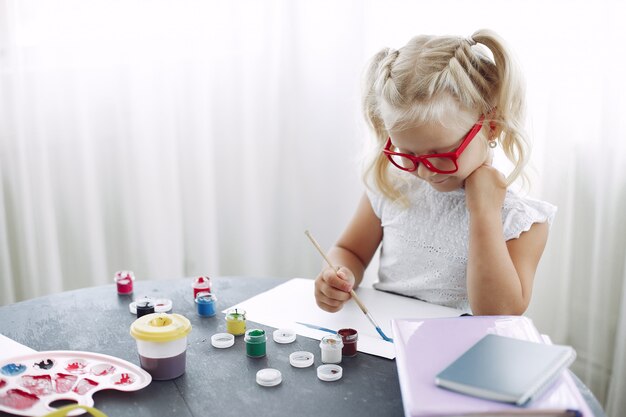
[453, 156]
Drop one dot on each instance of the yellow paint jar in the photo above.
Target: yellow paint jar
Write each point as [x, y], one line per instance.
[236, 321]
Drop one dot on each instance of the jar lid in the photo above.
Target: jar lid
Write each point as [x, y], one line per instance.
[222, 340]
[124, 275]
[329, 372]
[205, 297]
[284, 335]
[160, 327]
[201, 282]
[269, 377]
[331, 341]
[161, 305]
[301, 359]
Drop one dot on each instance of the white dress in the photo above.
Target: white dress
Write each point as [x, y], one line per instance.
[425, 246]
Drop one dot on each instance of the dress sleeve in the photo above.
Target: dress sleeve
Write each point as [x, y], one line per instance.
[376, 201]
[519, 214]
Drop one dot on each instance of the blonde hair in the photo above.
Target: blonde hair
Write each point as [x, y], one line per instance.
[414, 84]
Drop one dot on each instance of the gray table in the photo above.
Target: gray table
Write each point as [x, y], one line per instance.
[218, 382]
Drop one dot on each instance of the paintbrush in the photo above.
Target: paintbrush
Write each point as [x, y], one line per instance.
[352, 293]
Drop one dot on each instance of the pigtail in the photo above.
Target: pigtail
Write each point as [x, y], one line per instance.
[508, 100]
[378, 83]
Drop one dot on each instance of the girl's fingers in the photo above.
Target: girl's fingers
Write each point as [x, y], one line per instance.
[337, 280]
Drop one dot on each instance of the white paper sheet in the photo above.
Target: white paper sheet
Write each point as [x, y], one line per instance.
[9, 348]
[285, 305]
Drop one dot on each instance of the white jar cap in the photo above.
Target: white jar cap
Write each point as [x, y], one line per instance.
[161, 305]
[301, 359]
[222, 340]
[269, 377]
[284, 335]
[329, 372]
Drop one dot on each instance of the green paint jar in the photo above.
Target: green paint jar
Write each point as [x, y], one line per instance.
[256, 343]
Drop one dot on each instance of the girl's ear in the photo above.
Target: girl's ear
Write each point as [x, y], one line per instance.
[493, 128]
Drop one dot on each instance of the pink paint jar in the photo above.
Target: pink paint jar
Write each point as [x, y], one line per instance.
[124, 281]
[201, 284]
[349, 338]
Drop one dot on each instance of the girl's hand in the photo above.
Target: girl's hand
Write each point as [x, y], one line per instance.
[332, 289]
[485, 189]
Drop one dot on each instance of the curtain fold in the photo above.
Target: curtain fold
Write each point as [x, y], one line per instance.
[179, 138]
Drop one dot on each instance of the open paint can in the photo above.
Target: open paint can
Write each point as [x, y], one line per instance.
[162, 344]
[124, 281]
[349, 337]
[236, 321]
[331, 346]
[205, 303]
[201, 284]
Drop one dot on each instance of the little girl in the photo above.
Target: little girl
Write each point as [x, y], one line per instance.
[451, 232]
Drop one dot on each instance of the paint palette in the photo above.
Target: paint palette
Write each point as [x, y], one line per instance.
[29, 383]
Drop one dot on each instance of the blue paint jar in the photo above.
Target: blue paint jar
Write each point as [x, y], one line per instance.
[205, 301]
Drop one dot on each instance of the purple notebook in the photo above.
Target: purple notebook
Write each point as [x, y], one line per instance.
[424, 347]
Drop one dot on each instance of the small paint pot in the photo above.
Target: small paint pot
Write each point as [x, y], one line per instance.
[236, 322]
[201, 284]
[205, 302]
[256, 343]
[331, 346]
[162, 344]
[349, 338]
[161, 305]
[144, 307]
[124, 281]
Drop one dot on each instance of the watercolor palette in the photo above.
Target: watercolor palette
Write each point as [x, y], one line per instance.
[29, 383]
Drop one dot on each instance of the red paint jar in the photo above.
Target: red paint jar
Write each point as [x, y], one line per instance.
[201, 284]
[124, 281]
[349, 338]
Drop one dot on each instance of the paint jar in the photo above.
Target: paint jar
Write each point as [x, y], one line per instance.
[256, 343]
[349, 338]
[124, 281]
[201, 284]
[205, 302]
[331, 346]
[236, 321]
[162, 344]
[144, 307]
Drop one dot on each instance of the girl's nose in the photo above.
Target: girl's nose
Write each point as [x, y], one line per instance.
[423, 172]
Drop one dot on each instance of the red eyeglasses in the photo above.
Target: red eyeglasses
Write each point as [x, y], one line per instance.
[441, 163]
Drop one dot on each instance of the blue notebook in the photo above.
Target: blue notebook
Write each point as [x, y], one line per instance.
[505, 369]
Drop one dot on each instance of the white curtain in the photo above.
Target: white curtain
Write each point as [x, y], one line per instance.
[177, 138]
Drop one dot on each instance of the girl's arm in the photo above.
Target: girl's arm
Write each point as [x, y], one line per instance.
[499, 274]
[352, 253]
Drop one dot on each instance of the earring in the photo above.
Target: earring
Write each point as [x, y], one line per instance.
[493, 144]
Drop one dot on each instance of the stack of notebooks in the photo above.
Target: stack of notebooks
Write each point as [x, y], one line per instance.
[483, 366]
